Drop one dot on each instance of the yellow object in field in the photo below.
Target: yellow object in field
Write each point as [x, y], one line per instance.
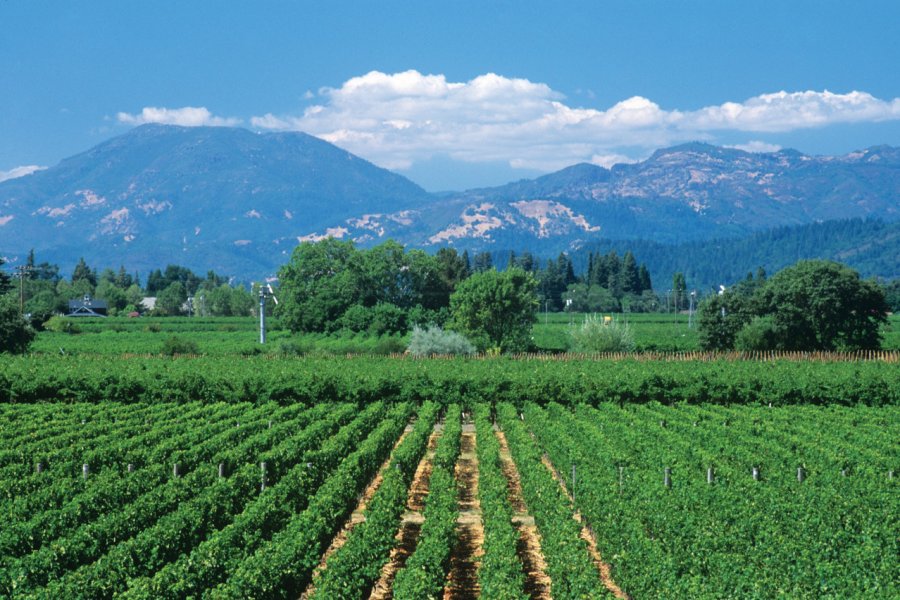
[607, 319]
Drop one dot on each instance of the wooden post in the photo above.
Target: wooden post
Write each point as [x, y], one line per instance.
[709, 475]
[667, 477]
[175, 470]
[270, 423]
[755, 473]
[39, 468]
[262, 484]
[662, 423]
[843, 472]
[221, 469]
[801, 474]
[130, 468]
[84, 470]
[621, 478]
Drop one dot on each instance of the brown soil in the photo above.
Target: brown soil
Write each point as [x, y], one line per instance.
[419, 487]
[528, 548]
[587, 535]
[411, 524]
[356, 517]
[462, 581]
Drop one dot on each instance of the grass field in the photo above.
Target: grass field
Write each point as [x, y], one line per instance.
[240, 335]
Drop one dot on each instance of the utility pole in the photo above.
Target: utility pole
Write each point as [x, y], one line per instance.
[265, 290]
[21, 272]
[691, 310]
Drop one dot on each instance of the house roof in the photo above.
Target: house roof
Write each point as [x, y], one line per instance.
[87, 307]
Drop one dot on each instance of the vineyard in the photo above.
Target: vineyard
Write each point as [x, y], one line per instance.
[481, 482]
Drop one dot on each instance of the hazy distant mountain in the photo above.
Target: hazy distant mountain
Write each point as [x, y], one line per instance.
[211, 198]
[238, 202]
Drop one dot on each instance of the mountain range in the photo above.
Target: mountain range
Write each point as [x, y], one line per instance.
[238, 202]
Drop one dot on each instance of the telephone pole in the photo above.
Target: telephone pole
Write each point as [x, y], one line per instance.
[21, 272]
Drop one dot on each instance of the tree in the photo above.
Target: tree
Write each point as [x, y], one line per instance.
[679, 291]
[644, 276]
[452, 269]
[171, 299]
[496, 310]
[114, 296]
[722, 316]
[630, 277]
[5, 281]
[483, 262]
[321, 281]
[823, 305]
[812, 305]
[15, 332]
[83, 271]
[892, 295]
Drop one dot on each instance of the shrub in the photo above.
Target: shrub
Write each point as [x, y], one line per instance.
[356, 318]
[758, 334]
[387, 318]
[434, 340]
[175, 345]
[15, 332]
[60, 324]
[599, 335]
[388, 345]
[295, 347]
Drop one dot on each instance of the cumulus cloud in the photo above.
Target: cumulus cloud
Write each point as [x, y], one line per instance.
[188, 116]
[401, 118]
[19, 172]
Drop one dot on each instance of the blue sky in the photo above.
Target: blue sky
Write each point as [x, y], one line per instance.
[455, 94]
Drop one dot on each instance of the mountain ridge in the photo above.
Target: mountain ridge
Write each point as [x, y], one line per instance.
[237, 202]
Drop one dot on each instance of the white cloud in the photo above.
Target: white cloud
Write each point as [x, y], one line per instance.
[188, 116]
[19, 172]
[397, 119]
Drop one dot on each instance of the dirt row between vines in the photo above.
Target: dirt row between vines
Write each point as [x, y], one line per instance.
[411, 524]
[462, 581]
[528, 549]
[357, 516]
[587, 535]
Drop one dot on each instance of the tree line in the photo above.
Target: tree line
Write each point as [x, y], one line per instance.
[332, 286]
[44, 291]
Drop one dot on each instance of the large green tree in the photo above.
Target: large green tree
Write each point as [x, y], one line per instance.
[496, 310]
[812, 305]
[321, 281]
[823, 305]
[15, 332]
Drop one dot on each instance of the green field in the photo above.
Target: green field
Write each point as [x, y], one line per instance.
[240, 335]
[151, 516]
[294, 470]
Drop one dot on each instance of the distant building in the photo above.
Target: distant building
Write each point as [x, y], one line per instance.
[87, 307]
